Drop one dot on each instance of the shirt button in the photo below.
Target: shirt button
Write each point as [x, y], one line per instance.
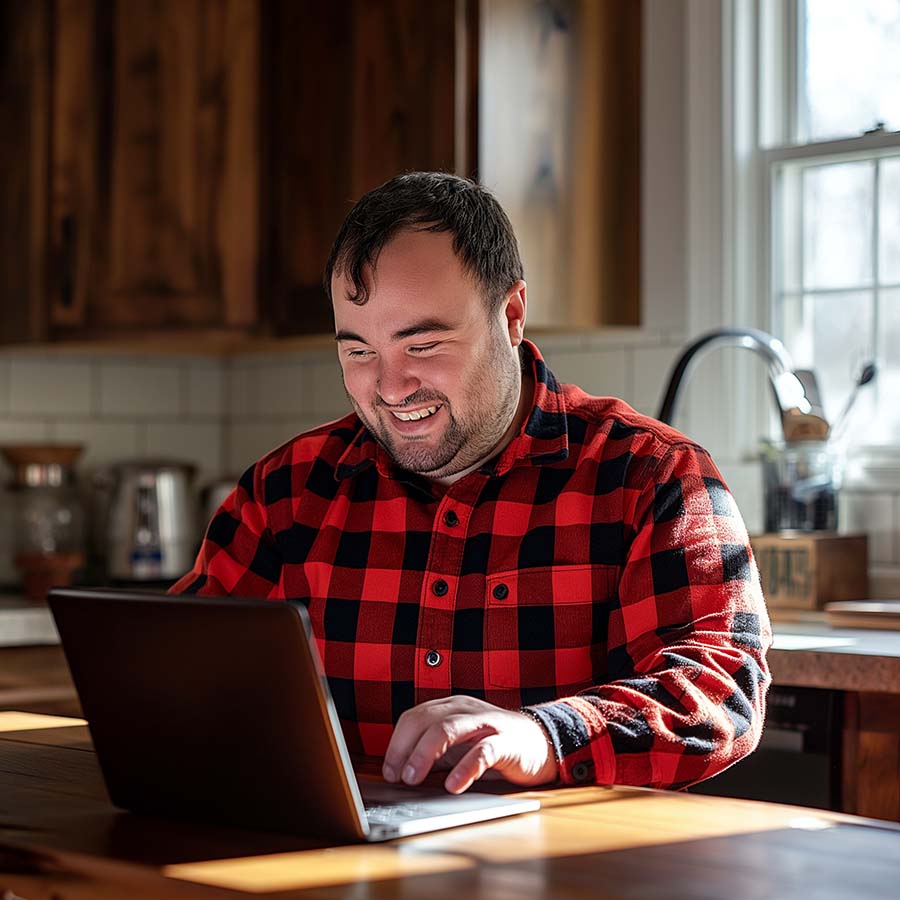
[432, 658]
[580, 772]
[451, 519]
[501, 591]
[439, 588]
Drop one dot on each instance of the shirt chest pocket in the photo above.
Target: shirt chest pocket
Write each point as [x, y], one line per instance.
[544, 627]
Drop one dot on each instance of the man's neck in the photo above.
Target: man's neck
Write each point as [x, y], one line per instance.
[523, 409]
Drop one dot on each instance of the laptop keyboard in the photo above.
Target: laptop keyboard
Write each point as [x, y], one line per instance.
[385, 803]
[395, 812]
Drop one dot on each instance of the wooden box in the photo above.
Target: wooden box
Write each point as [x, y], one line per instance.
[806, 570]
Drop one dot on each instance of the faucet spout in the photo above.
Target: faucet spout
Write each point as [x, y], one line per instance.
[787, 388]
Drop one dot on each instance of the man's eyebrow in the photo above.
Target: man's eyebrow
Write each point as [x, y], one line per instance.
[426, 326]
[343, 335]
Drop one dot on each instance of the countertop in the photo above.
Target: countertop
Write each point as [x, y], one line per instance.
[23, 624]
[813, 654]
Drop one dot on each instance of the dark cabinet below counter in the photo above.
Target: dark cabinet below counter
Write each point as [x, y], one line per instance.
[832, 738]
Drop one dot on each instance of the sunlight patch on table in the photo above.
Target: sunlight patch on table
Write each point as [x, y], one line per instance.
[317, 868]
[23, 721]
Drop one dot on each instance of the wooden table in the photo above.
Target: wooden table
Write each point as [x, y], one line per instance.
[60, 838]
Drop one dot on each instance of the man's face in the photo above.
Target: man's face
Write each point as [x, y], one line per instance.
[433, 376]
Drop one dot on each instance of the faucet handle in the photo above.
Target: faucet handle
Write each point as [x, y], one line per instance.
[806, 421]
[810, 382]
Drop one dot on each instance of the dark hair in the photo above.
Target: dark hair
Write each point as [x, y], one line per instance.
[483, 237]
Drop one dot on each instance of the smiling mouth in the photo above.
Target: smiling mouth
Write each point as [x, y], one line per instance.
[415, 414]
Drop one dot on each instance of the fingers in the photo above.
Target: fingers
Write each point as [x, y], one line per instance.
[481, 758]
[414, 751]
[427, 732]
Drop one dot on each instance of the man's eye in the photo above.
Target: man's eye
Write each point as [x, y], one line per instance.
[423, 348]
[358, 354]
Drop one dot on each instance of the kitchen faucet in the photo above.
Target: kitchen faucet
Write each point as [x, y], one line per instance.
[797, 400]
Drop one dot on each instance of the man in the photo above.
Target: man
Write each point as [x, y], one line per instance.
[504, 574]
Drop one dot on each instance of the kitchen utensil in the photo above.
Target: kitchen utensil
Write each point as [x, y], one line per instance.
[151, 531]
[866, 375]
[49, 518]
[800, 485]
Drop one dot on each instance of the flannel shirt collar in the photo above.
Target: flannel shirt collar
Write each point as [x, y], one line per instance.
[544, 438]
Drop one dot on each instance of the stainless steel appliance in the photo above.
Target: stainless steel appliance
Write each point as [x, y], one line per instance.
[151, 524]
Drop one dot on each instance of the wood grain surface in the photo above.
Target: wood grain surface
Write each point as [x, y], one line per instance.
[60, 838]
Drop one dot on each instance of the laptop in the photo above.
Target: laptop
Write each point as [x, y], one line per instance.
[218, 710]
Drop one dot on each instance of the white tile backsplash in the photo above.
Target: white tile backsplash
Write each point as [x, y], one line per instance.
[104, 442]
[283, 389]
[871, 514]
[599, 372]
[205, 391]
[140, 390]
[198, 443]
[326, 389]
[744, 480]
[248, 441]
[652, 367]
[24, 431]
[224, 415]
[242, 389]
[49, 387]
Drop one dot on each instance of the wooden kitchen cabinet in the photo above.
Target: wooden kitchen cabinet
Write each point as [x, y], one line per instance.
[540, 101]
[182, 166]
[355, 92]
[143, 170]
[153, 165]
[871, 755]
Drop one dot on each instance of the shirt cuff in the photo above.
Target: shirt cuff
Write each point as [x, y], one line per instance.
[584, 754]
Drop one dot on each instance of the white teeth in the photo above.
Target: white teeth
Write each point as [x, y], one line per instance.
[416, 414]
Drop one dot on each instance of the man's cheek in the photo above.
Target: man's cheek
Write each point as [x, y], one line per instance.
[354, 385]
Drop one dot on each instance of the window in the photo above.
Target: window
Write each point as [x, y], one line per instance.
[830, 126]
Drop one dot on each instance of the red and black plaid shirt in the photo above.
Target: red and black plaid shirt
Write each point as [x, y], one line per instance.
[597, 572]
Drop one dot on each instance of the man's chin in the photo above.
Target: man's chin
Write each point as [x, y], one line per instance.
[426, 465]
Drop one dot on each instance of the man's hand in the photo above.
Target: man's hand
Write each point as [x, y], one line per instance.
[469, 736]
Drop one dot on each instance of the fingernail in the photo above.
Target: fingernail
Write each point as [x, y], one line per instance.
[389, 773]
[452, 783]
[409, 774]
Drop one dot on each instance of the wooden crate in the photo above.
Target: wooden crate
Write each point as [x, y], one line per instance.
[806, 570]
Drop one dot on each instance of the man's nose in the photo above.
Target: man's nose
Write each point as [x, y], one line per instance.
[396, 383]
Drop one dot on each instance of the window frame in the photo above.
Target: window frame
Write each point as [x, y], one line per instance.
[763, 79]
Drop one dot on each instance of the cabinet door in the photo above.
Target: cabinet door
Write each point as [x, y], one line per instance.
[559, 144]
[540, 99]
[356, 92]
[153, 165]
[24, 92]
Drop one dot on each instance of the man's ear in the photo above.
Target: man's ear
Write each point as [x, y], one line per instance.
[514, 312]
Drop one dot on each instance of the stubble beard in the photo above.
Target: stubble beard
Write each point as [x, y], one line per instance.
[492, 401]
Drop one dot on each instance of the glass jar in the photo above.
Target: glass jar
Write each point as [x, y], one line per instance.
[801, 481]
[49, 516]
